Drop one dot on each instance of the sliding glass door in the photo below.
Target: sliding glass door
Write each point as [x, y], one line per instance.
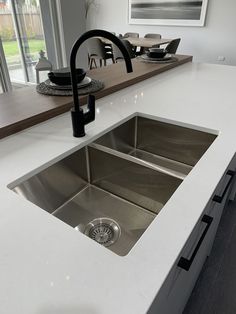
[5, 83]
[22, 35]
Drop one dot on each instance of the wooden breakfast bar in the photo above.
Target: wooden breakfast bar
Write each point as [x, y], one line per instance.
[24, 107]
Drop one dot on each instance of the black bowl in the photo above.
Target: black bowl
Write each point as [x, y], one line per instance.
[156, 53]
[62, 76]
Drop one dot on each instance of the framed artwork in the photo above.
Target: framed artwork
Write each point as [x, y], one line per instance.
[168, 12]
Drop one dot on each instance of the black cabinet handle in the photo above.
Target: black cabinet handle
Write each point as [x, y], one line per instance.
[186, 263]
[219, 198]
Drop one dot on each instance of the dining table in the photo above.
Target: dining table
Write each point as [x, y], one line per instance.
[142, 41]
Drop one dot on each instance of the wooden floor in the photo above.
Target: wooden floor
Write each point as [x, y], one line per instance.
[215, 290]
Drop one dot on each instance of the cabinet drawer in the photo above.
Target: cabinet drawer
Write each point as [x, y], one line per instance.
[232, 190]
[224, 187]
[178, 286]
[220, 199]
[180, 282]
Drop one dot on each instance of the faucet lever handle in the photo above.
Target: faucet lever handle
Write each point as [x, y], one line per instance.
[90, 115]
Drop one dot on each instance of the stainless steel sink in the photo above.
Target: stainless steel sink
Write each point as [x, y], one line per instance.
[112, 189]
[173, 148]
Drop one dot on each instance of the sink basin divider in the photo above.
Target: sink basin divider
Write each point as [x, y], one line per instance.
[88, 164]
[136, 160]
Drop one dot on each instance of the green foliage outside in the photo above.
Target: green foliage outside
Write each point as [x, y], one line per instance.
[8, 34]
[11, 47]
[12, 52]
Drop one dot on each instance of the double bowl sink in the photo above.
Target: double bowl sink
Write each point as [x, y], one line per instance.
[112, 189]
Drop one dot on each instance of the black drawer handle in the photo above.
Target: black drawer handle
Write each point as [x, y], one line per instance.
[186, 263]
[219, 198]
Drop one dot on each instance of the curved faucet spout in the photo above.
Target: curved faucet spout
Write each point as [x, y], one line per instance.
[77, 112]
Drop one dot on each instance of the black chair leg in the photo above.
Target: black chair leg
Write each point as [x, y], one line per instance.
[90, 63]
[89, 60]
[92, 60]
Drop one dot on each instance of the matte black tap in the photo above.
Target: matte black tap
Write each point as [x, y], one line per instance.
[79, 118]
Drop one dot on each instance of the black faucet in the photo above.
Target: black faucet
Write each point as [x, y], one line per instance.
[79, 118]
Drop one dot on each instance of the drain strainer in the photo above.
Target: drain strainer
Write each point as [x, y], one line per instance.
[103, 230]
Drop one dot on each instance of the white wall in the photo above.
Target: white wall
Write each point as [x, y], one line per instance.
[63, 23]
[73, 25]
[217, 38]
[48, 32]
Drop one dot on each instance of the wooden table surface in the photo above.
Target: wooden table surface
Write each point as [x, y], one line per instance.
[148, 42]
[143, 42]
[24, 107]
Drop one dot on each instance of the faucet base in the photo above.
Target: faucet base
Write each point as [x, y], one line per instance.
[78, 123]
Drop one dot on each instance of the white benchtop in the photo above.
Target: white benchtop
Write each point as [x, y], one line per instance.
[46, 267]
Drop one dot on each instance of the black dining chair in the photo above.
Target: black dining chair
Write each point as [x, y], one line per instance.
[118, 56]
[134, 35]
[97, 51]
[108, 47]
[153, 36]
[173, 46]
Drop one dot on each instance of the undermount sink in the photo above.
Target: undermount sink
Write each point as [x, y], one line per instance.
[172, 148]
[112, 189]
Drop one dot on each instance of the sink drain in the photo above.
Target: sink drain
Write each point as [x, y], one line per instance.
[103, 230]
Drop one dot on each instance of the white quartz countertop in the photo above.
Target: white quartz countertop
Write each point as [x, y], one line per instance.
[47, 267]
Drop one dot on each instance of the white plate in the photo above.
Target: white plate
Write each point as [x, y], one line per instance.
[166, 58]
[86, 81]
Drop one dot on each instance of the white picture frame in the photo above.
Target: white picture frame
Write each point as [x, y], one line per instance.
[181, 12]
